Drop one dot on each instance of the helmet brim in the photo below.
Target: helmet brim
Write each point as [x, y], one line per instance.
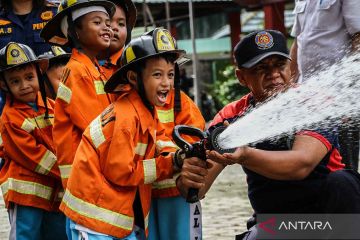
[42, 63]
[52, 33]
[118, 77]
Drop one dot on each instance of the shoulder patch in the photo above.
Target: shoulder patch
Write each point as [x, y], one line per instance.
[64, 93]
[65, 75]
[108, 115]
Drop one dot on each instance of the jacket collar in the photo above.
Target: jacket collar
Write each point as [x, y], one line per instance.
[81, 57]
[21, 105]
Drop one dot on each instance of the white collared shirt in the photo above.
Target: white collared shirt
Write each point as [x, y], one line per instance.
[323, 29]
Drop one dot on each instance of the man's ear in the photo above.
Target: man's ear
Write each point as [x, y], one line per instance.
[132, 77]
[240, 77]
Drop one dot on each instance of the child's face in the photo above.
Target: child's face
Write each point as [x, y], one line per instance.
[118, 25]
[23, 83]
[157, 77]
[94, 33]
[54, 74]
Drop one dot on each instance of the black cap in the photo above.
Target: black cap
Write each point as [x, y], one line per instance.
[259, 45]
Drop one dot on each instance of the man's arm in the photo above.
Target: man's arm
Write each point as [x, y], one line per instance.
[355, 42]
[294, 164]
[293, 64]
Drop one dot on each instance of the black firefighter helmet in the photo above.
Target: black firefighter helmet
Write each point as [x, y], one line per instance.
[154, 43]
[17, 54]
[52, 32]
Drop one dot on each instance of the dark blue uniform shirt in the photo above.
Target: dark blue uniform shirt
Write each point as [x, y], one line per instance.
[12, 29]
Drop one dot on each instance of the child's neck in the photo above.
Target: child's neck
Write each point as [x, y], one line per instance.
[90, 54]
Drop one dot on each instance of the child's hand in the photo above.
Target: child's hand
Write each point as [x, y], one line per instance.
[239, 156]
[192, 175]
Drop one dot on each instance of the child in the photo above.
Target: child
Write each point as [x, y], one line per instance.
[30, 178]
[122, 22]
[120, 155]
[83, 25]
[171, 215]
[58, 58]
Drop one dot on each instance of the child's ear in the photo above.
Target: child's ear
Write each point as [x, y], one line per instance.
[3, 85]
[132, 77]
[240, 77]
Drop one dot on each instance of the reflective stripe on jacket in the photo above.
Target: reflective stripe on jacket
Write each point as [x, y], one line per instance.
[80, 98]
[117, 156]
[30, 176]
[189, 115]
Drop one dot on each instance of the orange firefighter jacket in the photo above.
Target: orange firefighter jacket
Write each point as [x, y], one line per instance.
[30, 176]
[80, 99]
[111, 66]
[189, 115]
[117, 157]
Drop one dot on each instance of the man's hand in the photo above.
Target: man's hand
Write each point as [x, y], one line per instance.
[192, 175]
[238, 157]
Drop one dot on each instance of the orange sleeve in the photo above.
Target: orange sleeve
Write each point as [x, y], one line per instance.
[122, 167]
[189, 115]
[24, 149]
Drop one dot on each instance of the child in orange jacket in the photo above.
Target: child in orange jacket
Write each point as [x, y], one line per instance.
[124, 150]
[30, 179]
[122, 23]
[83, 25]
[171, 217]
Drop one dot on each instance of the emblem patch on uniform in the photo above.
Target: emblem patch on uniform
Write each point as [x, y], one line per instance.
[15, 55]
[4, 22]
[264, 40]
[46, 15]
[164, 41]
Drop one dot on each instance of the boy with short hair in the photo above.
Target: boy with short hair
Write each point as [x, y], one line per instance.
[58, 58]
[121, 23]
[84, 25]
[120, 155]
[30, 178]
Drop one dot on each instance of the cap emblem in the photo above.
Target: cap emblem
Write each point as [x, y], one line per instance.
[15, 55]
[264, 40]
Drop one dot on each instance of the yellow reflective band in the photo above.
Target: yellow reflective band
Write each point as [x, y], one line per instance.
[65, 171]
[149, 170]
[140, 149]
[1, 141]
[71, 2]
[166, 116]
[167, 183]
[163, 144]
[96, 133]
[30, 124]
[64, 93]
[46, 163]
[26, 187]
[101, 214]
[99, 87]
[146, 220]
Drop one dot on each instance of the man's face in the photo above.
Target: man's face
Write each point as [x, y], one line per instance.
[23, 83]
[158, 76]
[266, 78]
[118, 25]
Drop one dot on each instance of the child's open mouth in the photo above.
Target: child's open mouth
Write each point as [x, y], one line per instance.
[162, 95]
[106, 36]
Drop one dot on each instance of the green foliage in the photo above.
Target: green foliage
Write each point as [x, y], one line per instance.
[227, 88]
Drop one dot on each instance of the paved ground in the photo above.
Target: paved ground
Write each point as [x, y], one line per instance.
[225, 207]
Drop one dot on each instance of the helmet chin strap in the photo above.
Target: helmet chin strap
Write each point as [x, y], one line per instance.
[142, 93]
[177, 97]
